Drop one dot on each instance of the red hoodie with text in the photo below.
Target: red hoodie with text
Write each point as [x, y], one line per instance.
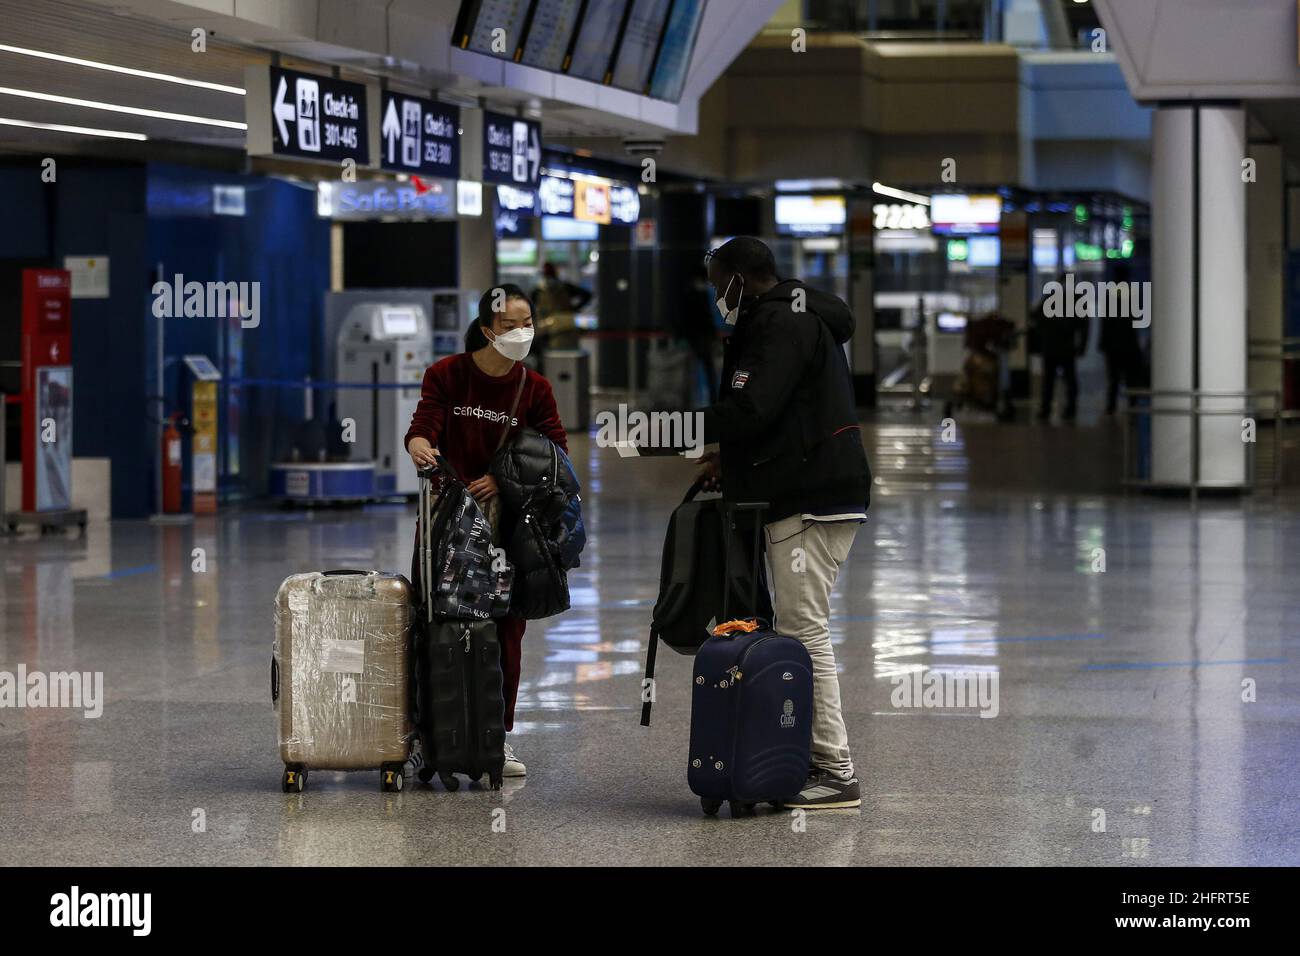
[463, 411]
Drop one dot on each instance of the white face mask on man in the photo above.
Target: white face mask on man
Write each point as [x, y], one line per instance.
[514, 344]
[731, 315]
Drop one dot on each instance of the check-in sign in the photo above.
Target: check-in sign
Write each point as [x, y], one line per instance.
[420, 136]
[306, 116]
[512, 151]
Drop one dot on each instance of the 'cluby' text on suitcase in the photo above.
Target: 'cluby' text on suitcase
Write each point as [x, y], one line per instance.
[461, 584]
[340, 671]
[751, 707]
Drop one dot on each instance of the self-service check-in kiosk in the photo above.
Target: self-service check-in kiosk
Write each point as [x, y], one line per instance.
[387, 346]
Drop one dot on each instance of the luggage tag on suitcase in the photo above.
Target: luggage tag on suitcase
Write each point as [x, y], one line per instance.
[747, 625]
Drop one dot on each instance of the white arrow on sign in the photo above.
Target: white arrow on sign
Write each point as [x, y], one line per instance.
[534, 154]
[283, 111]
[392, 129]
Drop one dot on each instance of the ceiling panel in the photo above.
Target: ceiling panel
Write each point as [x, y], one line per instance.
[91, 32]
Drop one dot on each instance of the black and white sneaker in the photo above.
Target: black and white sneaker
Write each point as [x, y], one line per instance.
[825, 791]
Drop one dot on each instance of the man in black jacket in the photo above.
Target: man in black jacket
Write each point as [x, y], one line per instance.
[787, 429]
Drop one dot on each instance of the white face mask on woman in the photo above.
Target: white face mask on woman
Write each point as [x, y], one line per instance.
[514, 344]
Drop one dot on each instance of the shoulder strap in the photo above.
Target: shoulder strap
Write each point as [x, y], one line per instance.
[505, 432]
[648, 685]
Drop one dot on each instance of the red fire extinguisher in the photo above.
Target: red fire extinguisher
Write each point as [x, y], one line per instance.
[171, 466]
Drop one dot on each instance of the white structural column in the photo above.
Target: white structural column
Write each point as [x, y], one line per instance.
[1198, 324]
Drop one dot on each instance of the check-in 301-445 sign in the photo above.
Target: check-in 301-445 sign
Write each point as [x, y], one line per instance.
[307, 116]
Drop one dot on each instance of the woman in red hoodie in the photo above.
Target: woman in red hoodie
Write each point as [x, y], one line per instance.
[470, 404]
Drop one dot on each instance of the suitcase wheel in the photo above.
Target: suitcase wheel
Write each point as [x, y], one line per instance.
[391, 779]
[425, 774]
[494, 781]
[740, 809]
[449, 781]
[710, 806]
[294, 780]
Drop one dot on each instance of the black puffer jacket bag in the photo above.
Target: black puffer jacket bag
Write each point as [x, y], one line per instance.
[541, 518]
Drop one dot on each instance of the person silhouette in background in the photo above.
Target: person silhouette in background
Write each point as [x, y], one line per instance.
[557, 303]
[1062, 340]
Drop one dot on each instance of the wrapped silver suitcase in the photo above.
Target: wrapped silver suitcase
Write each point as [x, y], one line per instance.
[340, 674]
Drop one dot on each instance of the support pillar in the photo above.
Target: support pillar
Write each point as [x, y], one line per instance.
[1198, 266]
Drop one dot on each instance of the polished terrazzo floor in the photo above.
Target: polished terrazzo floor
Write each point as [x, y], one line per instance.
[1119, 691]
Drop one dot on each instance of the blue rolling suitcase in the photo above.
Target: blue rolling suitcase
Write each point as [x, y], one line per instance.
[751, 708]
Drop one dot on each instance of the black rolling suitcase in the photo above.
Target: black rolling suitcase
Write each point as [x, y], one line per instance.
[459, 709]
[751, 708]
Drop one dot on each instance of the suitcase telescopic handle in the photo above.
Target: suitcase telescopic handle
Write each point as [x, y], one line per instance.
[730, 510]
[696, 487]
[444, 466]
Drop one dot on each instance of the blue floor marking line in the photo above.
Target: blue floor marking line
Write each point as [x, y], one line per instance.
[129, 572]
[1148, 665]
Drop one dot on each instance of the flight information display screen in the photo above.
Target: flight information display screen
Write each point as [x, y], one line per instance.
[550, 32]
[675, 53]
[644, 46]
[636, 54]
[483, 17]
[597, 35]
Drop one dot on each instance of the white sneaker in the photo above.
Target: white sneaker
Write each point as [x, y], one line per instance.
[514, 766]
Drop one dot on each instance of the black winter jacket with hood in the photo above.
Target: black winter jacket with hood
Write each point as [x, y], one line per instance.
[541, 522]
[785, 420]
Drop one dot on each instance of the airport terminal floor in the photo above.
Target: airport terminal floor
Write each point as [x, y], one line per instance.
[1159, 691]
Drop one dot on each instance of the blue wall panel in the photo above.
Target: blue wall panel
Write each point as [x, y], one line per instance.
[280, 245]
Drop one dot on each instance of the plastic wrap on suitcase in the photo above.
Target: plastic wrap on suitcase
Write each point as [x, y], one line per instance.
[340, 672]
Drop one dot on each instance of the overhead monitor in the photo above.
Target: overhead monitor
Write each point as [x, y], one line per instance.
[480, 20]
[674, 59]
[810, 215]
[597, 37]
[643, 46]
[959, 214]
[550, 33]
[640, 44]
